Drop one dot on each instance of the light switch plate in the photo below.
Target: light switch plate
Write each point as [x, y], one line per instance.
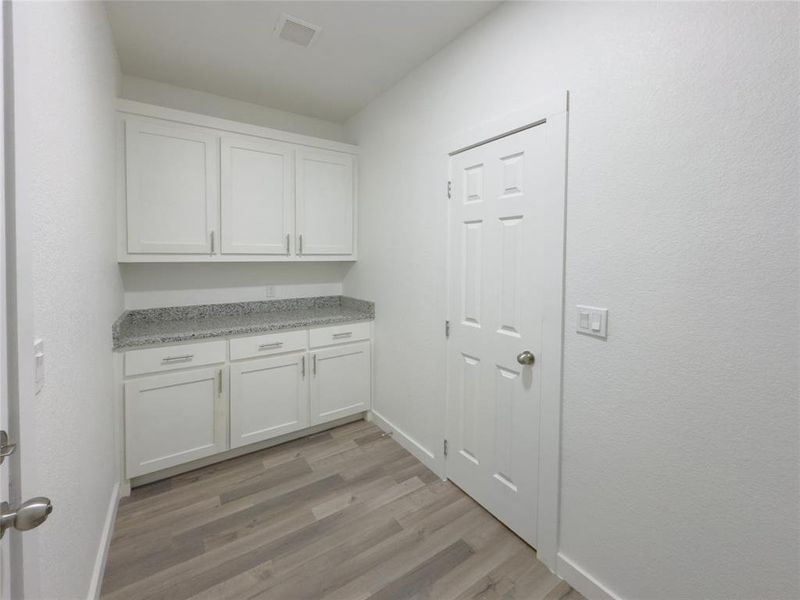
[38, 358]
[592, 321]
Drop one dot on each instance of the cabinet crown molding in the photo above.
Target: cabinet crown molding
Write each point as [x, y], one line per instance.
[142, 109]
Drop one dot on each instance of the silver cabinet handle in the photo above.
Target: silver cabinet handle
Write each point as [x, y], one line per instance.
[300, 245]
[213, 235]
[287, 244]
[183, 357]
[219, 388]
[270, 346]
[314, 366]
[303, 367]
[345, 334]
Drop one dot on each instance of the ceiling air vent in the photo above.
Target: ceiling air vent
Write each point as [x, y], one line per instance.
[296, 30]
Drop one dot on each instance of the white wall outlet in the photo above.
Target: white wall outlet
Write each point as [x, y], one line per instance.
[38, 358]
[270, 291]
[592, 321]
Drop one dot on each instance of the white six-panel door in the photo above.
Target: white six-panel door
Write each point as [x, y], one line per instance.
[257, 196]
[495, 307]
[325, 207]
[268, 398]
[171, 188]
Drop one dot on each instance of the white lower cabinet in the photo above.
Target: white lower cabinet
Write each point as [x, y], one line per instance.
[172, 419]
[268, 398]
[340, 381]
[177, 406]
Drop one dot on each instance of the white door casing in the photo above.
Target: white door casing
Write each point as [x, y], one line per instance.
[325, 203]
[257, 200]
[172, 191]
[505, 296]
[5, 555]
[268, 398]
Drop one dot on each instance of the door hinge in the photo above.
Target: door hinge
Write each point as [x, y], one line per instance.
[445, 447]
[447, 329]
[449, 189]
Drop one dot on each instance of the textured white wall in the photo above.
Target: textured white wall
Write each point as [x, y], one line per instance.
[680, 433]
[153, 285]
[171, 96]
[66, 78]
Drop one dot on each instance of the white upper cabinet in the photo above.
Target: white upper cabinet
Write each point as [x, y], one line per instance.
[198, 189]
[257, 196]
[325, 203]
[171, 188]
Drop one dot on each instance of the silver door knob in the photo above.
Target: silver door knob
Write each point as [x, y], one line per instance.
[29, 515]
[526, 358]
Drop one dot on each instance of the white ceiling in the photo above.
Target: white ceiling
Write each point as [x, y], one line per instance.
[228, 48]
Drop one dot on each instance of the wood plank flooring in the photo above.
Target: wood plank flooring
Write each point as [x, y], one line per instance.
[346, 514]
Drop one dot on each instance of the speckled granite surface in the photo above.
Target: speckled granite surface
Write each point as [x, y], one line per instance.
[148, 327]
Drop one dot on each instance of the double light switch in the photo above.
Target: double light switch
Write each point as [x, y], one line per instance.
[592, 321]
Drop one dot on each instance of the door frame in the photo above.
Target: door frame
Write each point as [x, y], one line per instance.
[552, 111]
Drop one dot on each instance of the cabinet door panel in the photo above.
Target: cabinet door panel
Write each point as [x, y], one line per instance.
[340, 382]
[268, 398]
[173, 419]
[325, 202]
[257, 197]
[171, 188]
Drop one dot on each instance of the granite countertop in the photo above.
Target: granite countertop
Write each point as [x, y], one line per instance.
[152, 326]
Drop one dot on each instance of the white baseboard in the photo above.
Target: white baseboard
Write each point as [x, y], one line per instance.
[105, 541]
[419, 451]
[584, 583]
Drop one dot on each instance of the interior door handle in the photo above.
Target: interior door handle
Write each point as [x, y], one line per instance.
[526, 358]
[29, 515]
[6, 449]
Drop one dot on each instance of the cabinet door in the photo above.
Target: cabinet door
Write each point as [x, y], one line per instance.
[257, 197]
[325, 203]
[172, 419]
[340, 382]
[269, 397]
[171, 188]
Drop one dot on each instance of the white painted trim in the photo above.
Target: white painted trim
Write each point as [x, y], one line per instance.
[230, 258]
[181, 116]
[553, 273]
[544, 108]
[552, 112]
[584, 583]
[96, 582]
[419, 451]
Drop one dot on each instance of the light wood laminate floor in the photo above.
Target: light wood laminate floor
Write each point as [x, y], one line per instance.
[346, 514]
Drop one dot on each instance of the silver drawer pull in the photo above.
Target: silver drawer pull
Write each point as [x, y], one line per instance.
[169, 359]
[270, 346]
[346, 334]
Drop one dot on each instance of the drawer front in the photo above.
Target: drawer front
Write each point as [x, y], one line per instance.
[156, 360]
[339, 334]
[270, 343]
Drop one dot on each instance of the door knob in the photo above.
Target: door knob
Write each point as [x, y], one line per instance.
[29, 515]
[526, 358]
